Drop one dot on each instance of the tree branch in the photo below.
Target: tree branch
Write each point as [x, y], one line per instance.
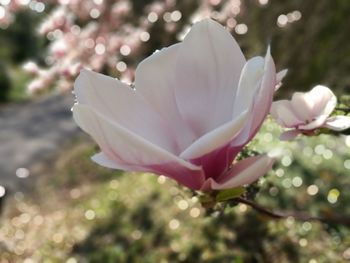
[300, 216]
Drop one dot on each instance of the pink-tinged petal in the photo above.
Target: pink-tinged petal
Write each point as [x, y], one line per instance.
[324, 100]
[130, 150]
[274, 111]
[317, 123]
[311, 105]
[155, 81]
[215, 139]
[261, 105]
[242, 173]
[283, 113]
[181, 174]
[279, 77]
[123, 105]
[103, 160]
[302, 105]
[263, 100]
[289, 135]
[338, 123]
[208, 70]
[249, 83]
[216, 162]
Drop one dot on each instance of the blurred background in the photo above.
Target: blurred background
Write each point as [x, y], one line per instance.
[58, 206]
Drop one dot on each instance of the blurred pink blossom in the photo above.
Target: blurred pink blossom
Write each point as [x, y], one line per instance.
[193, 108]
[75, 28]
[309, 111]
[31, 67]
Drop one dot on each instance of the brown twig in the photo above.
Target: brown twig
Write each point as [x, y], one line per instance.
[300, 216]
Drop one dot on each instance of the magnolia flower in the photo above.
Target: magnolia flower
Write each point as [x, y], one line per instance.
[309, 111]
[194, 106]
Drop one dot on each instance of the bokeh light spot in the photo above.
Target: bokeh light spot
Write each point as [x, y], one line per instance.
[263, 2]
[282, 20]
[297, 181]
[22, 172]
[333, 195]
[161, 179]
[286, 161]
[287, 183]
[100, 49]
[319, 149]
[144, 36]
[241, 29]
[174, 224]
[90, 214]
[176, 15]
[307, 226]
[95, 13]
[98, 2]
[121, 66]
[2, 191]
[312, 189]
[152, 17]
[346, 254]
[71, 260]
[195, 212]
[303, 242]
[167, 17]
[279, 172]
[347, 164]
[125, 50]
[182, 204]
[347, 140]
[307, 151]
[296, 15]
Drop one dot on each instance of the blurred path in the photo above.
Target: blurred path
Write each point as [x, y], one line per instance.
[31, 133]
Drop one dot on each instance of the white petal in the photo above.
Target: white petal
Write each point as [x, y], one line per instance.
[325, 100]
[315, 124]
[118, 142]
[155, 81]
[208, 69]
[215, 139]
[302, 105]
[129, 151]
[338, 123]
[262, 103]
[249, 83]
[280, 75]
[283, 113]
[311, 105]
[103, 160]
[123, 105]
[245, 172]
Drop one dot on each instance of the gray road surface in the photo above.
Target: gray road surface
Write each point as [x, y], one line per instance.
[31, 133]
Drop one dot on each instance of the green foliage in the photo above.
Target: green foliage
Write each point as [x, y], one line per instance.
[314, 49]
[20, 40]
[229, 194]
[5, 83]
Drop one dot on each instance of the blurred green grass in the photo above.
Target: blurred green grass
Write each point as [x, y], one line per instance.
[19, 80]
